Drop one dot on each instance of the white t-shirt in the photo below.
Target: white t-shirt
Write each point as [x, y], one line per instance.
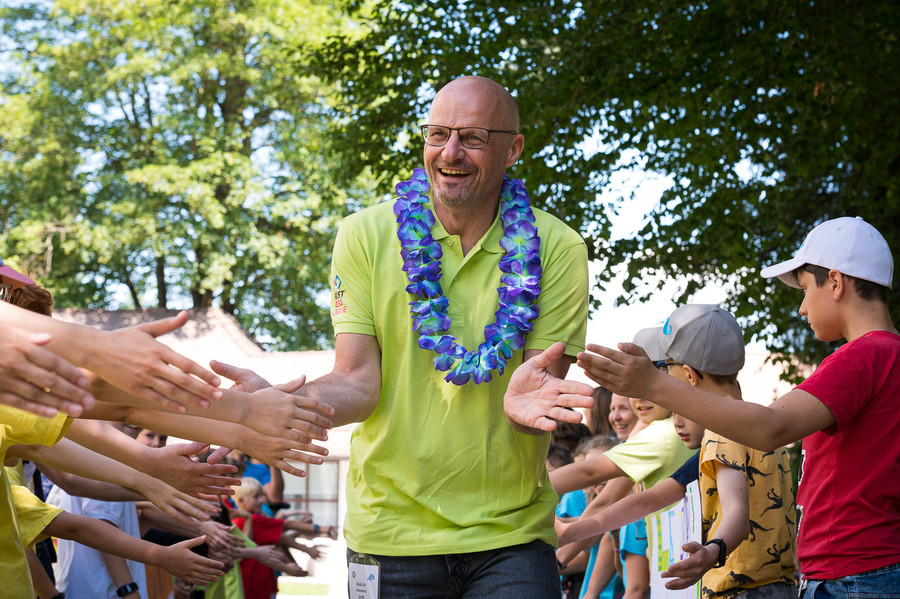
[80, 571]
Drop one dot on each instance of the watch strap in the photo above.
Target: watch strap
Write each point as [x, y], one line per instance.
[127, 589]
[722, 550]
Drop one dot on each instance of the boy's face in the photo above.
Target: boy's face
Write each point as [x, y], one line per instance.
[621, 416]
[647, 411]
[689, 431]
[250, 503]
[819, 308]
[152, 438]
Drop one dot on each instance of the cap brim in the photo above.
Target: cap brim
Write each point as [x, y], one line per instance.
[783, 271]
[648, 340]
[14, 278]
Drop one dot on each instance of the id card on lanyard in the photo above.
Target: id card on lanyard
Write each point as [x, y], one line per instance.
[364, 577]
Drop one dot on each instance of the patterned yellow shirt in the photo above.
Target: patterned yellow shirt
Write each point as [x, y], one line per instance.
[767, 554]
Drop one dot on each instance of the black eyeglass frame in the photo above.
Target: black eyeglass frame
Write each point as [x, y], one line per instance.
[659, 364]
[424, 131]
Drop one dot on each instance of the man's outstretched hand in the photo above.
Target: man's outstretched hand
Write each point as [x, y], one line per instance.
[536, 399]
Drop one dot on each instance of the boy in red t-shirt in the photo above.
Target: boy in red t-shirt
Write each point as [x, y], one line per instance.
[848, 411]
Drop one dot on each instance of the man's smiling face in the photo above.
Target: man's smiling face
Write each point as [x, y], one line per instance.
[460, 175]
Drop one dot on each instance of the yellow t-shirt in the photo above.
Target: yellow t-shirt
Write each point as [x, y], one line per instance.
[436, 468]
[767, 555]
[18, 427]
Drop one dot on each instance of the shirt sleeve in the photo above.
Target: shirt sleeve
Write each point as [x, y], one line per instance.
[639, 456]
[689, 471]
[351, 283]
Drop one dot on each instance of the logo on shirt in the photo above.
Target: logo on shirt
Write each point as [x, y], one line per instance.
[337, 297]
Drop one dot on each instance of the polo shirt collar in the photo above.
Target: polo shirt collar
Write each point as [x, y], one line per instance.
[489, 242]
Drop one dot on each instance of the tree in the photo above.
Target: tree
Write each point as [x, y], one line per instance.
[174, 155]
[769, 117]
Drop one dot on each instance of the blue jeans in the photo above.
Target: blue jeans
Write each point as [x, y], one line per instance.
[520, 572]
[883, 583]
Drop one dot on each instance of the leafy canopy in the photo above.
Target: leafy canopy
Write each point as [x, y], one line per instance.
[768, 118]
[173, 154]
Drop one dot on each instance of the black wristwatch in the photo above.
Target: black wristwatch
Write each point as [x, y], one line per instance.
[126, 589]
[722, 550]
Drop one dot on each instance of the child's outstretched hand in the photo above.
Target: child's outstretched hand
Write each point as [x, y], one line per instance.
[536, 399]
[690, 570]
[561, 528]
[183, 563]
[628, 371]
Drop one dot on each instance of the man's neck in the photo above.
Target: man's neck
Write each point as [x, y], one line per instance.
[468, 223]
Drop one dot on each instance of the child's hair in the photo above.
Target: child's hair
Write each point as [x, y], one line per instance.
[722, 380]
[559, 456]
[568, 434]
[34, 298]
[866, 290]
[589, 444]
[600, 410]
[248, 488]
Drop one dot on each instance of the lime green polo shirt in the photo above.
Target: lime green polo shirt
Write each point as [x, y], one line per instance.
[436, 468]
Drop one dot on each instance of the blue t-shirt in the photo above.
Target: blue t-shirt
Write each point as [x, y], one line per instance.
[632, 539]
[689, 471]
[572, 504]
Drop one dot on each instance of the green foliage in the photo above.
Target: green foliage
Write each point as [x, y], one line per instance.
[174, 154]
[769, 117]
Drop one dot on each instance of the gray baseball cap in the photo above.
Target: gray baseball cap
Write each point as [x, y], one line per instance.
[705, 337]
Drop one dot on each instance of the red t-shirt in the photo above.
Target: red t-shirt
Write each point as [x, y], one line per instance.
[259, 580]
[849, 498]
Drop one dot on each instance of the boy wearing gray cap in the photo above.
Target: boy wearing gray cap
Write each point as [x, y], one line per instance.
[743, 492]
[847, 411]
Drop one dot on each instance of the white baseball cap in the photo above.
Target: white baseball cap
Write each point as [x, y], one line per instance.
[13, 277]
[648, 340]
[848, 245]
[705, 337]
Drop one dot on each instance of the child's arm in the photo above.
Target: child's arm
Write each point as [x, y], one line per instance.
[615, 490]
[118, 571]
[735, 526]
[68, 455]
[585, 473]
[622, 512]
[176, 559]
[43, 586]
[272, 450]
[604, 569]
[172, 463]
[275, 411]
[129, 358]
[33, 378]
[637, 576]
[629, 372]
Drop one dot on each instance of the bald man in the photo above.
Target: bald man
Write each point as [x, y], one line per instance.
[445, 498]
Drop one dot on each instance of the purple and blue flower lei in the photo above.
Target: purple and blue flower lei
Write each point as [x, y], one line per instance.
[521, 268]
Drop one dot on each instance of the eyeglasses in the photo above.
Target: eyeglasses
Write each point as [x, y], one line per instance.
[663, 366]
[473, 138]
